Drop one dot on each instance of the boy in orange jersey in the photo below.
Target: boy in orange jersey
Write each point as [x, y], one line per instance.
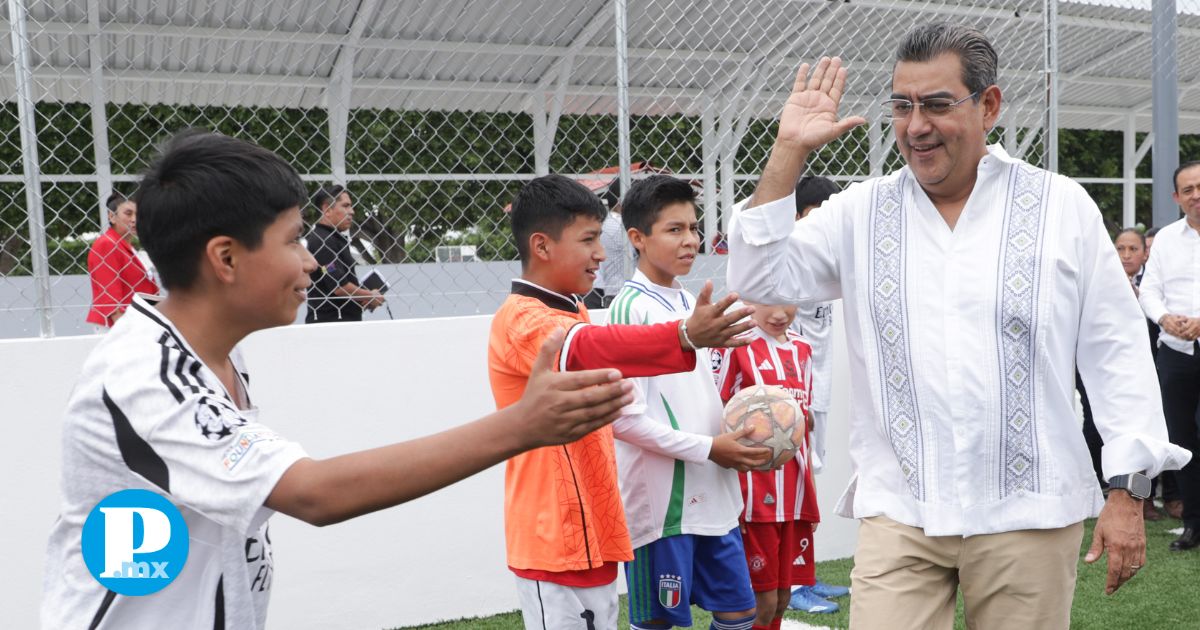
[564, 524]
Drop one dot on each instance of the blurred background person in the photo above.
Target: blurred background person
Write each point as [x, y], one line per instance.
[1170, 296]
[113, 266]
[611, 275]
[335, 294]
[1150, 234]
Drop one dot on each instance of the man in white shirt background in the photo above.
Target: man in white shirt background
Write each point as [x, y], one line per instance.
[973, 282]
[1170, 295]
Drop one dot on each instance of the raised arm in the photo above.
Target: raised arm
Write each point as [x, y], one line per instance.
[809, 121]
[772, 258]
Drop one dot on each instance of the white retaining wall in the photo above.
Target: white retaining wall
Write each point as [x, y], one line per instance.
[334, 388]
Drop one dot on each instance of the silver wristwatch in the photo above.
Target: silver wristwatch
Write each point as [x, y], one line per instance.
[1136, 484]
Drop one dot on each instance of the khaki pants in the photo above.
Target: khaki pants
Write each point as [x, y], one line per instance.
[903, 579]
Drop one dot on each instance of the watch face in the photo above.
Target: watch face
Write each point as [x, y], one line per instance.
[1139, 486]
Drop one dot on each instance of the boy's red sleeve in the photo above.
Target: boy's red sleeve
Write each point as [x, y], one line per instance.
[645, 350]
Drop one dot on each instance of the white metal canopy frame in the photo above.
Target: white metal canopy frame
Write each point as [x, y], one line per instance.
[435, 111]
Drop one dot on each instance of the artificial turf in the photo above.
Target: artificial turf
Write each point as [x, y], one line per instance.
[1163, 595]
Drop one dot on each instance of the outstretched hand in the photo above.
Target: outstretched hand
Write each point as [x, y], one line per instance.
[810, 115]
[711, 327]
[562, 407]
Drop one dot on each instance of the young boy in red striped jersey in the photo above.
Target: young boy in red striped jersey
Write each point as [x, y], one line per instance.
[780, 511]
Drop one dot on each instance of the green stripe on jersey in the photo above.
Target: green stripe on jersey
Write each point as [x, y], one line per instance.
[613, 317]
[673, 524]
[618, 311]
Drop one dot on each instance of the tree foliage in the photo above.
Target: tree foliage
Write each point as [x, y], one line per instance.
[405, 217]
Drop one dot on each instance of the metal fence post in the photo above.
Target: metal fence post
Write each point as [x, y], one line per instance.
[1051, 142]
[1164, 81]
[622, 97]
[31, 166]
[104, 184]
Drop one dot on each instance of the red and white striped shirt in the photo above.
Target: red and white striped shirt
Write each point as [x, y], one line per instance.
[786, 493]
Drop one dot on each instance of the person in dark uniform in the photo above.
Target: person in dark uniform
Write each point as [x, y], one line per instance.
[335, 295]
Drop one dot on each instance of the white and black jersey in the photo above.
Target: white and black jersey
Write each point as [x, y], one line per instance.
[147, 413]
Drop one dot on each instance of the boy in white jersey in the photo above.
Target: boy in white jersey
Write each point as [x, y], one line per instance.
[163, 404]
[676, 471]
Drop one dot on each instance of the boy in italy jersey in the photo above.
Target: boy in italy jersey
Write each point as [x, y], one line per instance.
[681, 496]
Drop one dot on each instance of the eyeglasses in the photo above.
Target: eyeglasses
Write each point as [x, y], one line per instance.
[902, 107]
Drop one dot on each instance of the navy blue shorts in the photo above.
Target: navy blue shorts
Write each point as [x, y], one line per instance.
[669, 574]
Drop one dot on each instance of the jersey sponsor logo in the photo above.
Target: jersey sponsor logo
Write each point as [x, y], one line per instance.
[135, 542]
[765, 365]
[669, 587]
[216, 419]
[696, 499]
[757, 563]
[768, 499]
[246, 440]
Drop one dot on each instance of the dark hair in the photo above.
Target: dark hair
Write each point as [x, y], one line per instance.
[979, 59]
[202, 185]
[813, 190]
[548, 204]
[326, 195]
[647, 198]
[1152, 232]
[1133, 231]
[1185, 165]
[114, 201]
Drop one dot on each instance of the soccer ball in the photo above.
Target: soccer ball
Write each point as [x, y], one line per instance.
[774, 418]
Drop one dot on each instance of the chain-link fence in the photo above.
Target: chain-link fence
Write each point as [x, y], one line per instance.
[434, 112]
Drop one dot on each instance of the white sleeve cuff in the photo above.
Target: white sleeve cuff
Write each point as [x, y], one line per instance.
[1139, 452]
[769, 222]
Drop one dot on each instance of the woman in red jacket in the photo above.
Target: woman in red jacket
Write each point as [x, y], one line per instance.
[115, 270]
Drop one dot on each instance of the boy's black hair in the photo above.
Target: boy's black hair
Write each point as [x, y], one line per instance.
[1152, 232]
[548, 204]
[326, 195]
[1185, 165]
[114, 201]
[202, 185]
[813, 190]
[646, 198]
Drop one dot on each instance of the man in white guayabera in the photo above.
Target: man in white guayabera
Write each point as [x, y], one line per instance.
[973, 283]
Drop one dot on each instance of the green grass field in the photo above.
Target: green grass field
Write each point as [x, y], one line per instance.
[1162, 596]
